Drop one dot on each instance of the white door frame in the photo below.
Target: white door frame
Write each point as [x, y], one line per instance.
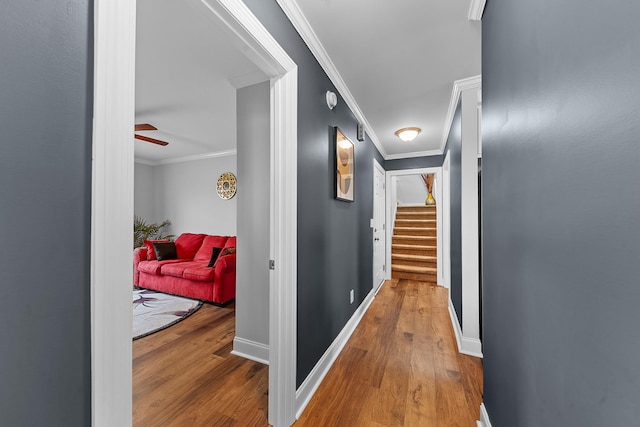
[446, 221]
[378, 168]
[112, 206]
[390, 177]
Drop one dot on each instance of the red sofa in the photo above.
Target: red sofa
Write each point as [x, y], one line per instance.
[188, 274]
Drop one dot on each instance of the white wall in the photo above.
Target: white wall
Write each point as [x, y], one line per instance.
[145, 194]
[252, 280]
[185, 193]
[410, 190]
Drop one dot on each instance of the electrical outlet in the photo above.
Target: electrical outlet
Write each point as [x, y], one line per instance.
[351, 296]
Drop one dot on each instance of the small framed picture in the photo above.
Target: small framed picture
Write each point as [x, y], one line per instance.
[345, 163]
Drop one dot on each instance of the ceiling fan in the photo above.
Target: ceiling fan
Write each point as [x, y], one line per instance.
[147, 126]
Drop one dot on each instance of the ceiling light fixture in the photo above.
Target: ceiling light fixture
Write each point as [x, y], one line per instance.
[408, 134]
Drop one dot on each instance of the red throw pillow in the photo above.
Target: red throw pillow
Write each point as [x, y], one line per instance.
[151, 253]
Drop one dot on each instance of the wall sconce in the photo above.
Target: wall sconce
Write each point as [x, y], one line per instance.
[408, 134]
[332, 99]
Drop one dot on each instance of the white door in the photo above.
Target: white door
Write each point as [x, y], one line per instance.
[378, 225]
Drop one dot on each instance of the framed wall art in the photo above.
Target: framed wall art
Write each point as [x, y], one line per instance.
[345, 163]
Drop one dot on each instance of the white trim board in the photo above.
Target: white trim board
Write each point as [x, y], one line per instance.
[468, 346]
[184, 159]
[458, 87]
[112, 205]
[484, 417]
[476, 9]
[299, 21]
[111, 212]
[414, 154]
[251, 350]
[320, 370]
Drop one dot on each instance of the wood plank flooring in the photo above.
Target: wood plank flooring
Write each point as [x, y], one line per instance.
[186, 376]
[401, 367]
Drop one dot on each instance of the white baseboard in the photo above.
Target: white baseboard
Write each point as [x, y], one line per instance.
[468, 346]
[251, 350]
[484, 417]
[317, 374]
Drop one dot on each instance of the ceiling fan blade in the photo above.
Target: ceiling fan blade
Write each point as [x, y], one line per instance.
[144, 126]
[153, 140]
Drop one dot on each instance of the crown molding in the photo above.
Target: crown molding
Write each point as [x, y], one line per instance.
[476, 9]
[239, 82]
[474, 82]
[187, 158]
[414, 154]
[301, 24]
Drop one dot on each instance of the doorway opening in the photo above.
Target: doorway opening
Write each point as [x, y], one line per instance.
[112, 205]
[406, 188]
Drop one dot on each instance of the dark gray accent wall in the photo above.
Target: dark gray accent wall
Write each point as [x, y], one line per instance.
[414, 163]
[46, 87]
[335, 250]
[561, 174]
[454, 148]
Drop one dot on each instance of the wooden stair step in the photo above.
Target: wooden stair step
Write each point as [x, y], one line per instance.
[400, 248]
[415, 240]
[415, 277]
[421, 277]
[415, 215]
[422, 223]
[414, 269]
[412, 259]
[415, 231]
[422, 208]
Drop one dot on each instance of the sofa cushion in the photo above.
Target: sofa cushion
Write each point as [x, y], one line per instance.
[151, 253]
[177, 269]
[199, 273]
[209, 242]
[165, 250]
[187, 244]
[215, 252]
[153, 267]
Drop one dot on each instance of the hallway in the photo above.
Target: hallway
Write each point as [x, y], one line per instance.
[401, 367]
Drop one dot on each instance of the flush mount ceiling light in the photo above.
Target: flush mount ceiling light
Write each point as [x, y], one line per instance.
[408, 134]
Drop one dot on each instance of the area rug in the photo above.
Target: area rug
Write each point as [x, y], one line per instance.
[155, 311]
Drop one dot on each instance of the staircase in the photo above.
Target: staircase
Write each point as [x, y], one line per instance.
[414, 244]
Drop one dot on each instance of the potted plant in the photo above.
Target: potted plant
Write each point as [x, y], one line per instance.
[145, 231]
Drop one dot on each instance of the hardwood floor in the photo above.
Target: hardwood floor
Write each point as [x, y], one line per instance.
[401, 367]
[186, 376]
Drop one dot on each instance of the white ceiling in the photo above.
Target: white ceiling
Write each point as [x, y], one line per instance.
[187, 72]
[397, 60]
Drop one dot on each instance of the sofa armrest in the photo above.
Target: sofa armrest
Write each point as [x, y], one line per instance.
[139, 254]
[224, 278]
[225, 264]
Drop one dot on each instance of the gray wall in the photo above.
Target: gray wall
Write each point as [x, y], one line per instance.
[454, 147]
[414, 163]
[145, 205]
[561, 150]
[185, 193]
[335, 250]
[410, 189]
[46, 88]
[252, 281]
